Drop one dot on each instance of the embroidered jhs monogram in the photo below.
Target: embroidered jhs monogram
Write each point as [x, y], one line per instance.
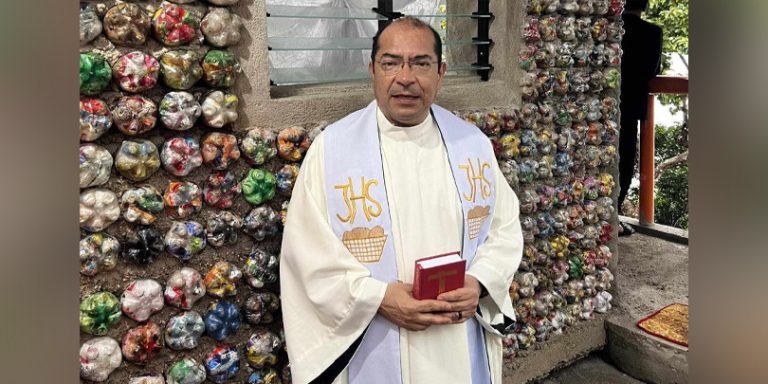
[477, 181]
[350, 199]
[476, 178]
[366, 244]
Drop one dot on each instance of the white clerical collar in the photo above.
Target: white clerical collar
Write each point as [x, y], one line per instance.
[398, 133]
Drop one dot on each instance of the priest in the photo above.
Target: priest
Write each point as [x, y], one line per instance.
[399, 180]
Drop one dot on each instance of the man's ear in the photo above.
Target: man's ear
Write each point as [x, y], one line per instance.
[442, 69]
[370, 67]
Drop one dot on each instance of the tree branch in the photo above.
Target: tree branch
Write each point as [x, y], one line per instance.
[668, 163]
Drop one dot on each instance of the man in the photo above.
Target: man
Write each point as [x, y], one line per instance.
[641, 62]
[384, 186]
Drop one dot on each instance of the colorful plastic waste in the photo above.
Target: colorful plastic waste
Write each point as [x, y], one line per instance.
[95, 118]
[175, 25]
[260, 307]
[142, 246]
[219, 108]
[261, 348]
[222, 363]
[95, 73]
[185, 371]
[181, 68]
[292, 143]
[222, 319]
[222, 227]
[221, 280]
[137, 159]
[220, 189]
[182, 199]
[95, 165]
[142, 343]
[136, 71]
[98, 209]
[184, 288]
[220, 150]
[220, 68]
[185, 239]
[98, 312]
[179, 110]
[183, 331]
[127, 24]
[99, 357]
[221, 27]
[141, 299]
[141, 205]
[261, 267]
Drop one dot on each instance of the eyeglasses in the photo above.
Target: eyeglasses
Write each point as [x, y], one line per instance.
[394, 66]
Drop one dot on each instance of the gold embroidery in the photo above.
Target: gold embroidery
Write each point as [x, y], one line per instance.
[476, 217]
[440, 276]
[365, 244]
[350, 198]
[475, 176]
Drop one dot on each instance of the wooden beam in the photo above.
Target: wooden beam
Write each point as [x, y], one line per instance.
[669, 84]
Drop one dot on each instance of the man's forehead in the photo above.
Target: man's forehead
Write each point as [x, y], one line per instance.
[405, 40]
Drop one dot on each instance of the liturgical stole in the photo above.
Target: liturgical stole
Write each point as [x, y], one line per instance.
[360, 217]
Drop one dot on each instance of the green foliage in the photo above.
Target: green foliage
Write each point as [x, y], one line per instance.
[668, 142]
[671, 204]
[671, 200]
[672, 17]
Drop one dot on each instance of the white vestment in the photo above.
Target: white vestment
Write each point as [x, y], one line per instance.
[328, 297]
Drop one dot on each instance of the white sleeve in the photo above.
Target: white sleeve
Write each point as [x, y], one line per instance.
[498, 258]
[328, 297]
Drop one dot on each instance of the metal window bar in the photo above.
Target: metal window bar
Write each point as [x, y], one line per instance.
[386, 14]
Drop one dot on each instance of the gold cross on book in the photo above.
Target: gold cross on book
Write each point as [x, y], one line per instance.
[441, 276]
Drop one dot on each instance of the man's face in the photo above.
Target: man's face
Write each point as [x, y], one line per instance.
[405, 97]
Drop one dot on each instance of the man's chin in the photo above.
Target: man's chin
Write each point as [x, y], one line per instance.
[406, 121]
[407, 116]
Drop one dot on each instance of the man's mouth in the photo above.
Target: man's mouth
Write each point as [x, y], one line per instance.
[404, 97]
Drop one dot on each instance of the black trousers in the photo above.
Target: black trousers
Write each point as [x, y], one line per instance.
[627, 151]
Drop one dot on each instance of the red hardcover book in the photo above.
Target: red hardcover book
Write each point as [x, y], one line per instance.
[437, 274]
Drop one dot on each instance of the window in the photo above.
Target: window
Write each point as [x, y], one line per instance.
[325, 41]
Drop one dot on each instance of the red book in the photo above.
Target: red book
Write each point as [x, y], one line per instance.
[437, 274]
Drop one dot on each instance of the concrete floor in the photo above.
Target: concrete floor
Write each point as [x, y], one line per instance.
[592, 370]
[650, 274]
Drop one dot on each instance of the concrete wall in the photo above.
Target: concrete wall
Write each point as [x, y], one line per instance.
[278, 107]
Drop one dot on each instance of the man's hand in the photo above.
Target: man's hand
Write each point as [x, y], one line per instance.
[462, 301]
[403, 310]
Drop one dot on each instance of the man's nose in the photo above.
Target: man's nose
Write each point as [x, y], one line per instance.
[406, 74]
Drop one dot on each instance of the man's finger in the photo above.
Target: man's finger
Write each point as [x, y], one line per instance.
[430, 319]
[433, 306]
[466, 305]
[456, 295]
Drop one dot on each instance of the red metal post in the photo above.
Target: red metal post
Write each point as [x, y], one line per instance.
[647, 150]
